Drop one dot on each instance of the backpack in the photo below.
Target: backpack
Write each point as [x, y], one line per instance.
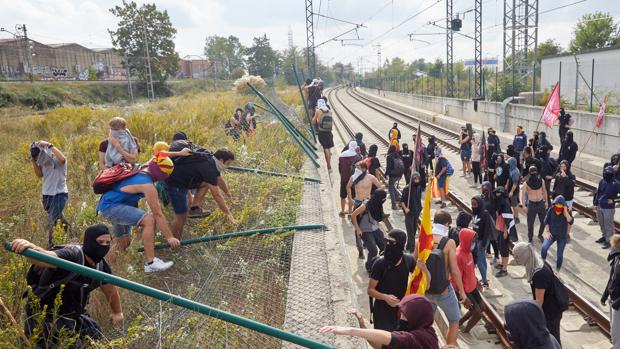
[398, 168]
[194, 148]
[326, 122]
[407, 259]
[449, 168]
[108, 178]
[436, 266]
[41, 279]
[560, 293]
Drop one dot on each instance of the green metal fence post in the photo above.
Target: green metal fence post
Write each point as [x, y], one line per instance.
[592, 86]
[277, 174]
[305, 103]
[169, 297]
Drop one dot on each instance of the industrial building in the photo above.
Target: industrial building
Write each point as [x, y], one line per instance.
[577, 72]
[20, 58]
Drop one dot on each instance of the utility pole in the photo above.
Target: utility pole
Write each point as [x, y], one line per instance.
[310, 55]
[478, 91]
[449, 51]
[520, 38]
[128, 73]
[214, 63]
[21, 28]
[150, 91]
[378, 60]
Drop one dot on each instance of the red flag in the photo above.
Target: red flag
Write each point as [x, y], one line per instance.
[552, 109]
[601, 113]
[484, 164]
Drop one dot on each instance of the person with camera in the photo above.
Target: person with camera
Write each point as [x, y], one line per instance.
[50, 164]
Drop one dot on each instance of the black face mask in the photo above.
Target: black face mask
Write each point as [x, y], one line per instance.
[91, 247]
[393, 252]
[416, 184]
[608, 176]
[403, 325]
[475, 210]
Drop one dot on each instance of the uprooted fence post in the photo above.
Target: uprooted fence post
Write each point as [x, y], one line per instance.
[210, 238]
[169, 297]
[271, 173]
[303, 100]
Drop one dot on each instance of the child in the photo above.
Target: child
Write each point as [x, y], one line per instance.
[471, 284]
[120, 143]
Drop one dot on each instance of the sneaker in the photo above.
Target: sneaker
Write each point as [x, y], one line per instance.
[498, 266]
[443, 205]
[541, 238]
[600, 240]
[485, 284]
[501, 273]
[606, 245]
[360, 255]
[157, 265]
[394, 207]
[197, 212]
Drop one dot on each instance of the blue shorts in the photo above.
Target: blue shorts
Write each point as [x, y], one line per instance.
[123, 217]
[54, 205]
[441, 181]
[448, 304]
[178, 199]
[465, 154]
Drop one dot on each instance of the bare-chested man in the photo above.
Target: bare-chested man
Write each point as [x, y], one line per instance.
[360, 184]
[536, 202]
[359, 188]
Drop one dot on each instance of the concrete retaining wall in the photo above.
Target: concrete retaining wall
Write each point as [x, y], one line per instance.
[605, 141]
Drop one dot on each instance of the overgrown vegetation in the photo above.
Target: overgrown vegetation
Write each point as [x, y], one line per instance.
[246, 276]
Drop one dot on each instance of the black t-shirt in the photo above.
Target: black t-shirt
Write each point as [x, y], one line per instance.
[466, 145]
[191, 171]
[74, 297]
[441, 163]
[392, 280]
[314, 93]
[543, 279]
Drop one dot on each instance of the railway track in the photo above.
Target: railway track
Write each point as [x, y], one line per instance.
[448, 138]
[592, 314]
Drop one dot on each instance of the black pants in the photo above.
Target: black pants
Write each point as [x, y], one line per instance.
[553, 325]
[374, 242]
[83, 325]
[384, 317]
[407, 175]
[493, 244]
[535, 209]
[411, 224]
[476, 169]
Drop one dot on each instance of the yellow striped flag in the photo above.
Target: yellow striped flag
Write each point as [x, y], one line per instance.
[417, 280]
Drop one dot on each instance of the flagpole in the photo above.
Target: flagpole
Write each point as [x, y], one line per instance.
[596, 124]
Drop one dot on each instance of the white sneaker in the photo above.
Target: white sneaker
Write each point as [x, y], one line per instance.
[157, 265]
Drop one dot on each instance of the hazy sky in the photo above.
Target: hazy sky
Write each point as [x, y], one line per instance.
[86, 22]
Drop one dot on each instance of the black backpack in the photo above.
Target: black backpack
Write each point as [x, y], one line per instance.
[398, 168]
[407, 259]
[43, 281]
[198, 153]
[560, 292]
[437, 268]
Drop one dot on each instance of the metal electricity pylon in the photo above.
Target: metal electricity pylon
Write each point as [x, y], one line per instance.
[310, 55]
[520, 39]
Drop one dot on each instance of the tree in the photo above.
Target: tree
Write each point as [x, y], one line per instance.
[226, 51]
[262, 58]
[547, 48]
[129, 37]
[397, 67]
[594, 30]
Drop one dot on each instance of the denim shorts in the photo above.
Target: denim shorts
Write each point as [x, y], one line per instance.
[441, 181]
[178, 199]
[448, 304]
[123, 217]
[465, 154]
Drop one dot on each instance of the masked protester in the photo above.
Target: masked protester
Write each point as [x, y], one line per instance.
[411, 203]
[506, 226]
[519, 142]
[536, 204]
[612, 290]
[605, 202]
[471, 284]
[483, 225]
[488, 203]
[407, 156]
[526, 325]
[366, 220]
[569, 148]
[541, 279]
[388, 281]
[71, 315]
[557, 223]
[564, 121]
[415, 327]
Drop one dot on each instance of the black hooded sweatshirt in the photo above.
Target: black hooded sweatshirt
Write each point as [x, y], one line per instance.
[612, 290]
[527, 326]
[564, 186]
[482, 223]
[569, 148]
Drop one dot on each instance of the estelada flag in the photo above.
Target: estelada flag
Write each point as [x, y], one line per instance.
[601, 113]
[417, 280]
[552, 109]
